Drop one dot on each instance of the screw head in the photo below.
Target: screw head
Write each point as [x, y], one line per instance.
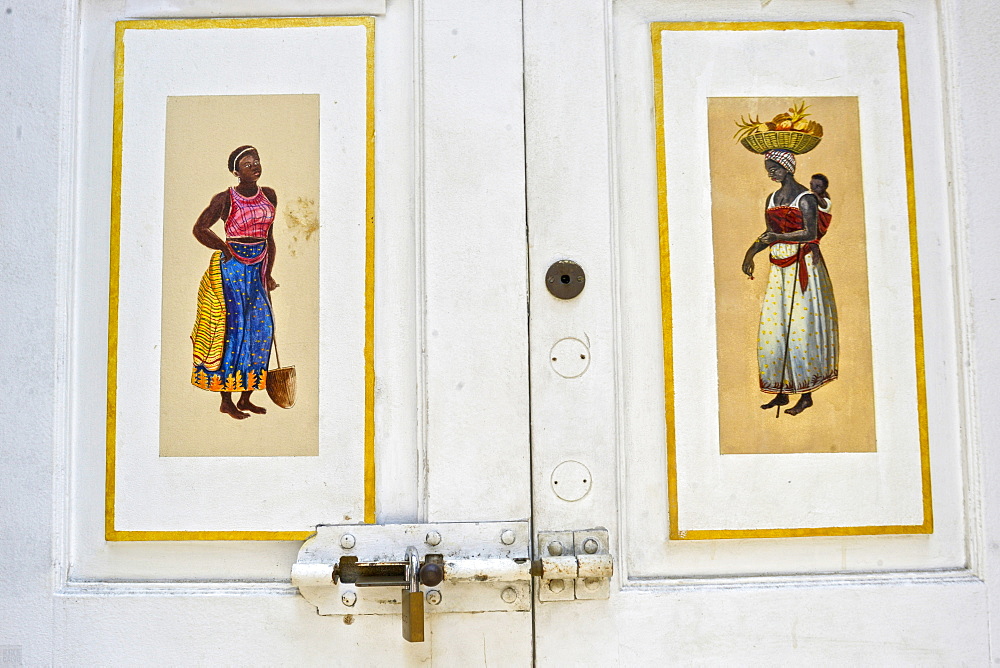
[590, 546]
[509, 595]
[433, 538]
[556, 586]
[349, 598]
[347, 541]
[591, 583]
[508, 537]
[555, 548]
[433, 596]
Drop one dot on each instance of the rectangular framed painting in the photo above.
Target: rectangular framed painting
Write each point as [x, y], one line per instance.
[240, 374]
[788, 233]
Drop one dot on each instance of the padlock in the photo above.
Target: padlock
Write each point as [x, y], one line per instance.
[413, 600]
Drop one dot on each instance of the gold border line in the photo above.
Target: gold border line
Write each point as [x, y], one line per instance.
[918, 318]
[370, 285]
[927, 526]
[368, 22]
[114, 264]
[666, 298]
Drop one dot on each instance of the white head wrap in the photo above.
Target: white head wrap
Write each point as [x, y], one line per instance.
[783, 157]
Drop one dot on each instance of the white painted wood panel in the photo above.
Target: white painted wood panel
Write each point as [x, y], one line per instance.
[91, 557]
[895, 599]
[649, 554]
[78, 599]
[472, 219]
[776, 623]
[569, 218]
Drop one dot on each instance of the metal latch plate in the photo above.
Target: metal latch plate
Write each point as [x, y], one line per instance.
[486, 566]
[575, 565]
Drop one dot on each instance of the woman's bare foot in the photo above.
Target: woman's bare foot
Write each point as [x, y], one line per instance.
[230, 409]
[804, 402]
[245, 405]
[779, 400]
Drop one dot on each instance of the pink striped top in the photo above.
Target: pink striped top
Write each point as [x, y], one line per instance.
[249, 216]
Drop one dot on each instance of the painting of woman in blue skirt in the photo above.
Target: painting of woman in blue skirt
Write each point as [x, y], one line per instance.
[234, 329]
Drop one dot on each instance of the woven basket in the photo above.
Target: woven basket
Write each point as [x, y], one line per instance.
[280, 386]
[796, 142]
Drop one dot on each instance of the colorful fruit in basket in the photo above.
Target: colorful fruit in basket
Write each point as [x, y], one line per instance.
[791, 130]
[792, 120]
[749, 126]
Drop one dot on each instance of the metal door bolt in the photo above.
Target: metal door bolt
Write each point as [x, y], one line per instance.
[507, 537]
[349, 599]
[509, 595]
[433, 596]
[555, 548]
[590, 546]
[433, 538]
[347, 541]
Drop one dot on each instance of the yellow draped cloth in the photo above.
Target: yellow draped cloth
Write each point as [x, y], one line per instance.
[209, 334]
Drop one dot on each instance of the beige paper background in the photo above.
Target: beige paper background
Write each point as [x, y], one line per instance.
[842, 418]
[201, 131]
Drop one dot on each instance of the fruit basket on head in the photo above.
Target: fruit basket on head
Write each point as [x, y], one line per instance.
[789, 131]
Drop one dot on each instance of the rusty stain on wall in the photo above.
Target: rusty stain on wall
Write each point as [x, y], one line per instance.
[302, 219]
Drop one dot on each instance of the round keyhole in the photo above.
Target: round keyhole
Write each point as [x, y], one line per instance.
[565, 279]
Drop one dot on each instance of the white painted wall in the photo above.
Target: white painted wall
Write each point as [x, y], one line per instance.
[970, 34]
[32, 39]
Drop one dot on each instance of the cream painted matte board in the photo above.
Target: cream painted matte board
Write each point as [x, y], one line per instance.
[69, 598]
[725, 492]
[644, 430]
[154, 493]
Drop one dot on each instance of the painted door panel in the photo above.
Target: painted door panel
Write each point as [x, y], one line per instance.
[450, 351]
[592, 197]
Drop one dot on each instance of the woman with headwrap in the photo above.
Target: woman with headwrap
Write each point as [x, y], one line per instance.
[797, 347]
[233, 329]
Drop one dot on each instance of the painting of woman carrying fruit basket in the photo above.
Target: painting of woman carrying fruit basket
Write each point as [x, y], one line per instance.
[797, 346]
[784, 332]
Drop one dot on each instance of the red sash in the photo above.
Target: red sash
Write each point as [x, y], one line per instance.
[785, 219]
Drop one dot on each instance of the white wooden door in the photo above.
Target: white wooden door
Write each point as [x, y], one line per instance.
[592, 172]
[452, 431]
[464, 131]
